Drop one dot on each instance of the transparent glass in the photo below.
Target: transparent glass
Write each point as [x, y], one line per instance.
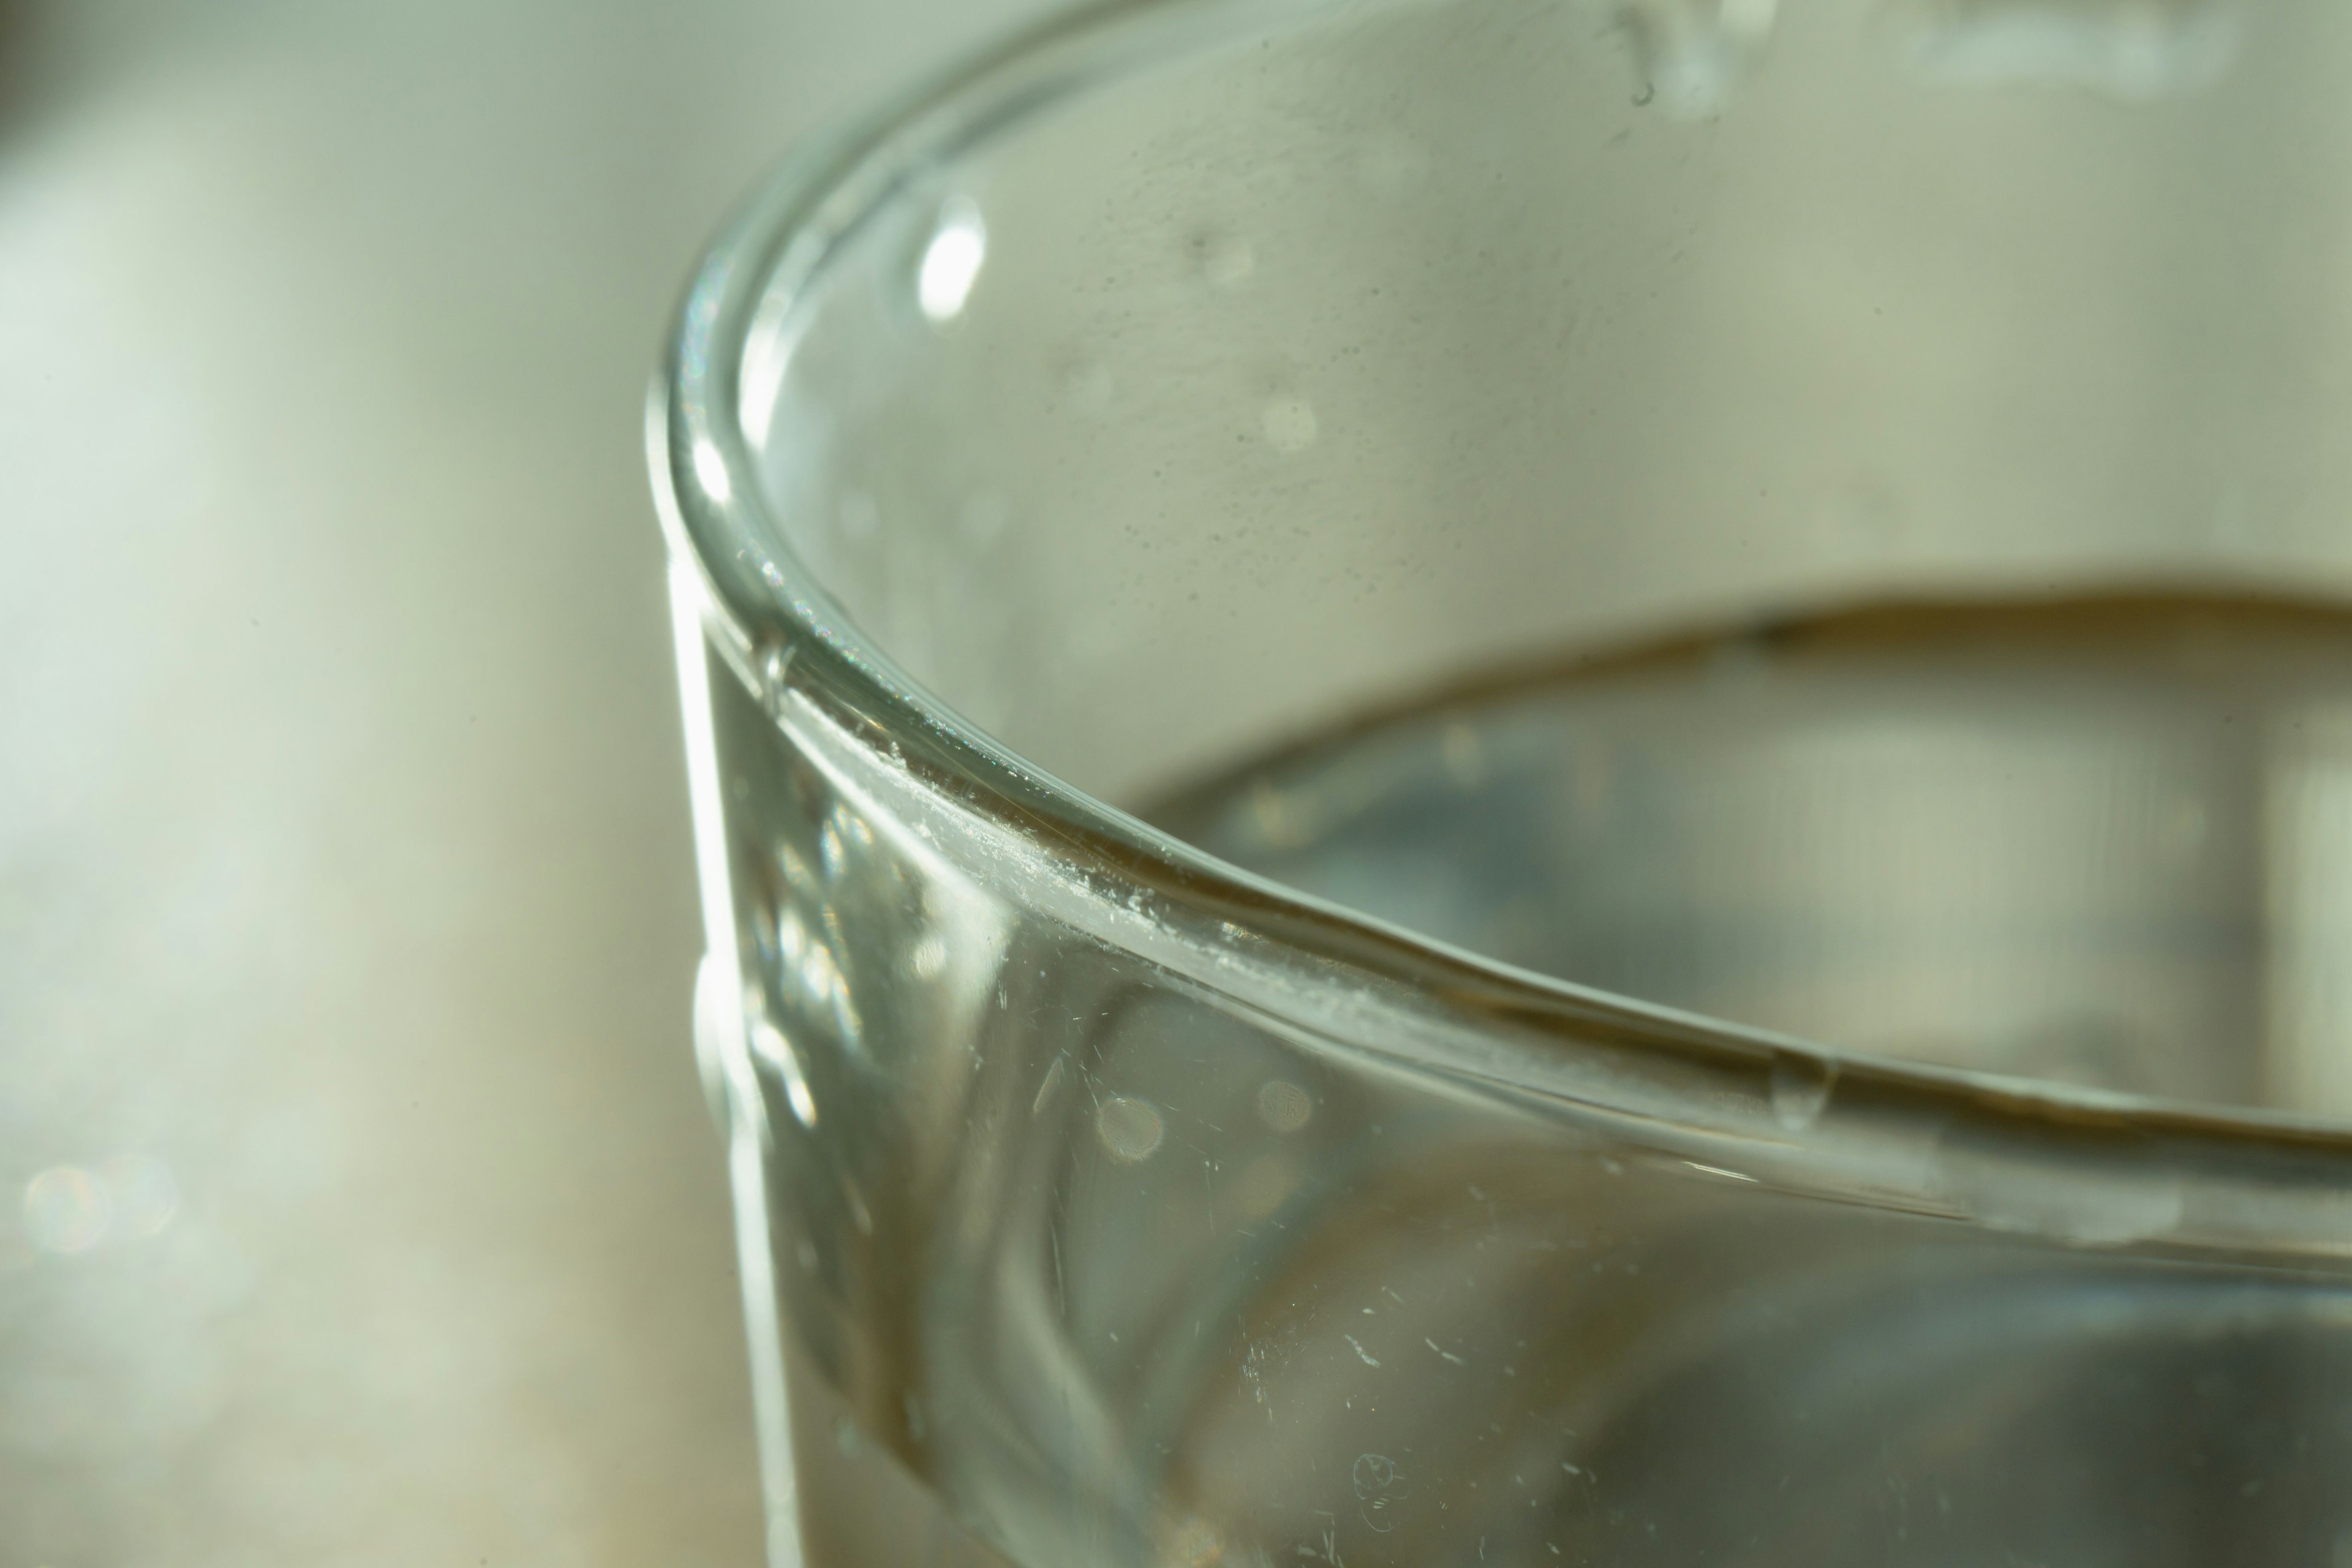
[1498, 782]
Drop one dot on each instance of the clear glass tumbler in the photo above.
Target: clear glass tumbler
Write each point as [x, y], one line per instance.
[1540, 781]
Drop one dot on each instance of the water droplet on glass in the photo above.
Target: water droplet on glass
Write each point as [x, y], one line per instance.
[1283, 1105]
[1131, 1128]
[1799, 1089]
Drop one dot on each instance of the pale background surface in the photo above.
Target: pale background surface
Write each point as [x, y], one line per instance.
[360, 1203]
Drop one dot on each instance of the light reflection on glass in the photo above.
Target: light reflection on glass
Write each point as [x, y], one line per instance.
[951, 262]
[66, 1210]
[74, 1208]
[768, 1044]
[143, 1195]
[711, 469]
[2130, 50]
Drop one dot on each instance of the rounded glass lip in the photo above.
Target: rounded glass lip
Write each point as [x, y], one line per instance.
[758, 277]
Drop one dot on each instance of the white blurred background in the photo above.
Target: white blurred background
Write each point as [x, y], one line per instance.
[360, 1205]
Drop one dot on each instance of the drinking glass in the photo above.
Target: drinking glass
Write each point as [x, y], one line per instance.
[1532, 782]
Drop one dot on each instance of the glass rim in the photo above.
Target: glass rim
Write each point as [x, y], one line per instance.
[763, 607]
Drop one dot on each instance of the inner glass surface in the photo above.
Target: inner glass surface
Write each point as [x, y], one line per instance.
[1830, 515]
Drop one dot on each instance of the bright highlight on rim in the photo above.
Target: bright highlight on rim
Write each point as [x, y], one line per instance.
[951, 262]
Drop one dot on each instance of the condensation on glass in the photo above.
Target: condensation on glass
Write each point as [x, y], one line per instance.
[1511, 782]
